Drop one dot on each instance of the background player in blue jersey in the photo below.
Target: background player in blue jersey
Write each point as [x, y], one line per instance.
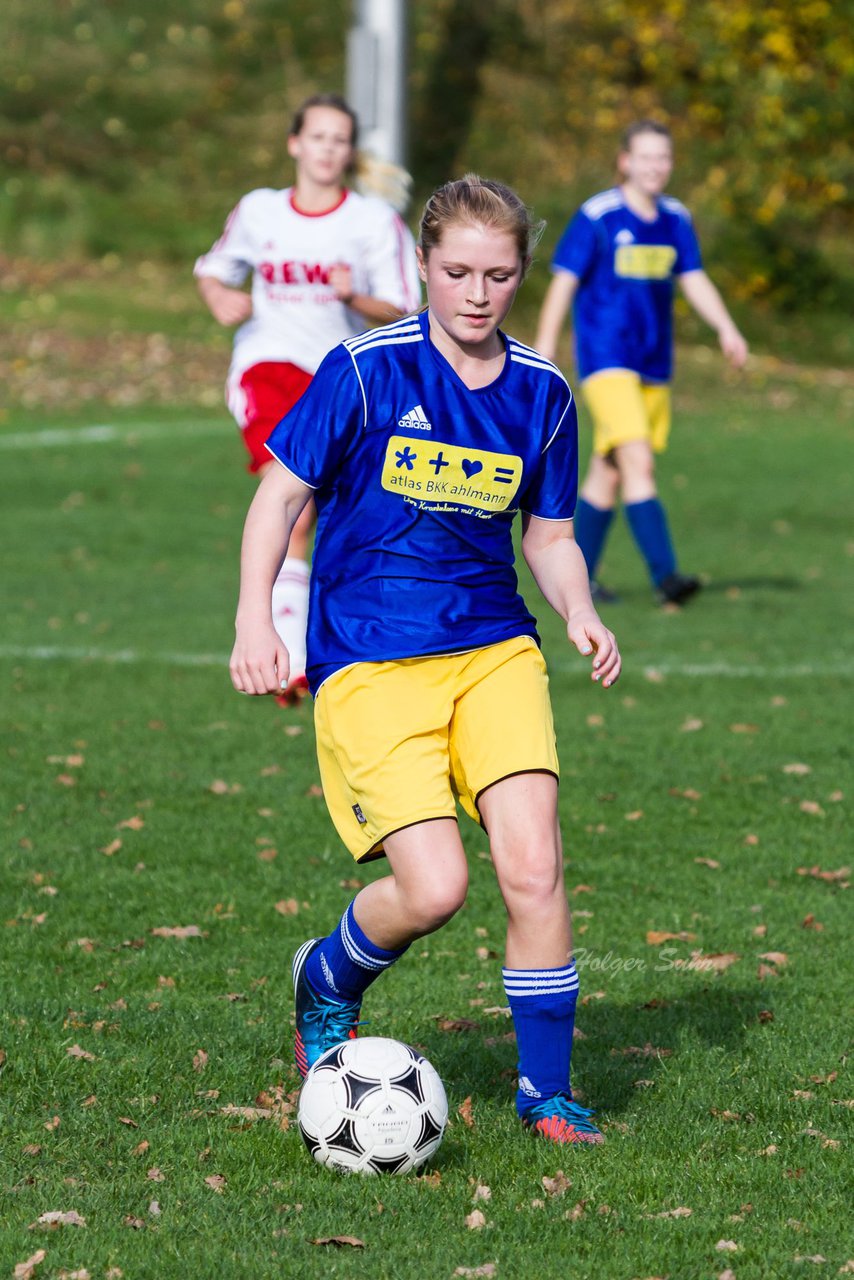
[616, 263]
[427, 437]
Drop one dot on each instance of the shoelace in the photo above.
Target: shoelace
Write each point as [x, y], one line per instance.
[567, 1109]
[335, 1016]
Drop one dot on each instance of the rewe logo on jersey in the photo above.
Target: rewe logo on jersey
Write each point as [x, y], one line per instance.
[416, 419]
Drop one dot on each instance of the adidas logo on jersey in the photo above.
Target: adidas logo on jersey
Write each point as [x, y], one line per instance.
[416, 419]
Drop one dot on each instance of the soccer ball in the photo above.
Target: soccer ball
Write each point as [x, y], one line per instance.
[372, 1106]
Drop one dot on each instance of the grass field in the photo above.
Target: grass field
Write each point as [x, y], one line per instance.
[707, 796]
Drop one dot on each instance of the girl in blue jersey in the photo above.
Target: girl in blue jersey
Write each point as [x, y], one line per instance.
[419, 442]
[616, 263]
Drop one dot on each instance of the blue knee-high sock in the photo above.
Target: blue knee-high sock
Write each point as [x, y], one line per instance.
[648, 523]
[345, 963]
[542, 1002]
[591, 525]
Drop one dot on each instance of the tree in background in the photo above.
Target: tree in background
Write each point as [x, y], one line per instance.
[115, 120]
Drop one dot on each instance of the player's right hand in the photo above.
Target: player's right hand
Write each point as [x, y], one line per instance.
[259, 662]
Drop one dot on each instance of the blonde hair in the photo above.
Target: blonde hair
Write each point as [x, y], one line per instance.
[480, 202]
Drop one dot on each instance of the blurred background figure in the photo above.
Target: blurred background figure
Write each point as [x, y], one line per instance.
[616, 263]
[325, 262]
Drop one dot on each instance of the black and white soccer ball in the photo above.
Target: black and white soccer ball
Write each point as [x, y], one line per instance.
[372, 1106]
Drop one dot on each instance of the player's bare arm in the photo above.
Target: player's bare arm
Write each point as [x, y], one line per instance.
[227, 305]
[703, 296]
[259, 661]
[556, 304]
[555, 560]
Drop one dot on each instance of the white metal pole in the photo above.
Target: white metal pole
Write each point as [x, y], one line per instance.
[376, 76]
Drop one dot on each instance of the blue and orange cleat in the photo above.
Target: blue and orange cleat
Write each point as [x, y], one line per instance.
[562, 1120]
[321, 1022]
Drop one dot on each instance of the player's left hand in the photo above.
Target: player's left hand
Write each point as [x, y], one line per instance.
[733, 346]
[341, 279]
[588, 633]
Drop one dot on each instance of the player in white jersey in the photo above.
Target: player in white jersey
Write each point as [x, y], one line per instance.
[325, 263]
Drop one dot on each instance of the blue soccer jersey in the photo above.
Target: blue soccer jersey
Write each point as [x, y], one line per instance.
[623, 310]
[417, 479]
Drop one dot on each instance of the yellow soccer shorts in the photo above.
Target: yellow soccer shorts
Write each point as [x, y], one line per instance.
[625, 409]
[400, 742]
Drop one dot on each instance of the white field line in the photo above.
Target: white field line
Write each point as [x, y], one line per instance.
[109, 433]
[645, 671]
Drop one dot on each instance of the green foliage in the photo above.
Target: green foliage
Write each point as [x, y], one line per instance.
[132, 129]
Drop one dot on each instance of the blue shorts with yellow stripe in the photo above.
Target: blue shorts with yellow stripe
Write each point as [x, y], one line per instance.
[400, 742]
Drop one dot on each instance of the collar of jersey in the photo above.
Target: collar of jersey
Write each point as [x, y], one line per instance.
[449, 371]
[322, 213]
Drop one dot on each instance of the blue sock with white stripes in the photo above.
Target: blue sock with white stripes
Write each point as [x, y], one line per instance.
[542, 1002]
[347, 962]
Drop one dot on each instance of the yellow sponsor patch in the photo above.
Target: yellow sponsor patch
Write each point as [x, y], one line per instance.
[644, 261]
[433, 473]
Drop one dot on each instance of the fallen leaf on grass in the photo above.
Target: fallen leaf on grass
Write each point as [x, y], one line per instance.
[744, 728]
[729, 1274]
[811, 806]
[464, 1112]
[154, 1209]
[135, 1224]
[726, 1246]
[156, 1175]
[768, 1151]
[681, 1211]
[200, 1060]
[31, 1149]
[314, 790]
[828, 1079]
[141, 1149]
[645, 1051]
[53, 1123]
[577, 1211]
[136, 823]
[708, 862]
[455, 1024]
[809, 922]
[75, 1051]
[131, 1123]
[475, 1221]
[486, 1269]
[482, 1192]
[557, 1185]
[112, 847]
[287, 907]
[767, 971]
[775, 957]
[25, 1270]
[655, 937]
[691, 725]
[352, 1242]
[716, 962]
[804, 1094]
[797, 768]
[760, 931]
[216, 1182]
[178, 931]
[433, 1179]
[809, 1257]
[830, 876]
[634, 816]
[58, 1218]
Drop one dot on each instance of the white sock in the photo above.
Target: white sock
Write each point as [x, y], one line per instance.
[290, 611]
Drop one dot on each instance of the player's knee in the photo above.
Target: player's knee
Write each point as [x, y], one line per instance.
[434, 904]
[532, 876]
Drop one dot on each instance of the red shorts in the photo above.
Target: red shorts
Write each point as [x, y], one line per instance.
[269, 390]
